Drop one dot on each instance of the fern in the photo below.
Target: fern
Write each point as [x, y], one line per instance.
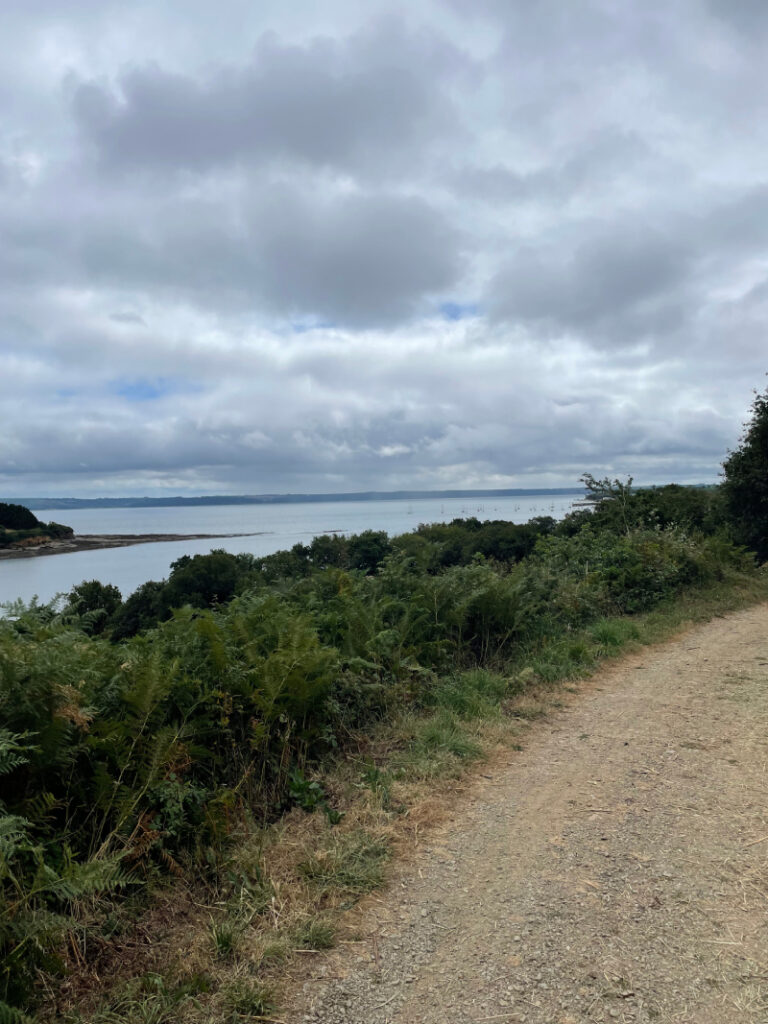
[14, 750]
[12, 1015]
[78, 881]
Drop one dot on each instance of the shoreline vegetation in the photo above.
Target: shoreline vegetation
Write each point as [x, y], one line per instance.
[45, 545]
[21, 530]
[22, 535]
[197, 782]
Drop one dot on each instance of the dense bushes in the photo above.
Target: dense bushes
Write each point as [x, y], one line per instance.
[17, 517]
[745, 489]
[615, 506]
[94, 604]
[457, 542]
[135, 735]
[17, 524]
[57, 531]
[206, 581]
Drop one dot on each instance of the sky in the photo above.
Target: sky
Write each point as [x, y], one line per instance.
[325, 247]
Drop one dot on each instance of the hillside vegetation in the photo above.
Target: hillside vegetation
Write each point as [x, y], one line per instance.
[140, 741]
[20, 528]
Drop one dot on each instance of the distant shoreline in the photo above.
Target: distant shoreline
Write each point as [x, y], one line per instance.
[36, 504]
[99, 541]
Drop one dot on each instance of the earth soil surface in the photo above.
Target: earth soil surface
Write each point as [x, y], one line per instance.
[614, 870]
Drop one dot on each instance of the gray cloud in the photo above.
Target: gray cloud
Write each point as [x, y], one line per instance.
[366, 103]
[625, 279]
[339, 247]
[598, 161]
[355, 259]
[358, 259]
[747, 16]
[127, 317]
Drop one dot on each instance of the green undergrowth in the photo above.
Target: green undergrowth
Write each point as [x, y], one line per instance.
[447, 739]
[352, 863]
[313, 871]
[261, 757]
[150, 999]
[576, 655]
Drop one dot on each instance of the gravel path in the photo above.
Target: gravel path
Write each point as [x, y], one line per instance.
[615, 870]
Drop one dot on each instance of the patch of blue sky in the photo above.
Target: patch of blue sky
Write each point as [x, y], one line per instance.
[146, 389]
[459, 310]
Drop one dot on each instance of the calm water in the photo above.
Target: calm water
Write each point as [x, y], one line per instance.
[278, 526]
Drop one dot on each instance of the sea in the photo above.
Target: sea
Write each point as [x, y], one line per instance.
[274, 528]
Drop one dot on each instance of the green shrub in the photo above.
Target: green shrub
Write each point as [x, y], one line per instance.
[247, 1000]
[745, 489]
[472, 694]
[316, 933]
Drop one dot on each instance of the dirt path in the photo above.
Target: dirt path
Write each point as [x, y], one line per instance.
[612, 871]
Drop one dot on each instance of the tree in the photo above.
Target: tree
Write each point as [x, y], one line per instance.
[367, 550]
[202, 580]
[745, 487]
[142, 610]
[329, 550]
[97, 601]
[17, 517]
[608, 496]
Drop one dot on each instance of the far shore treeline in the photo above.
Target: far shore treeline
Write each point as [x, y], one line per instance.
[183, 501]
[139, 738]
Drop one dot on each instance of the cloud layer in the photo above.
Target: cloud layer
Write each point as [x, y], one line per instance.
[444, 245]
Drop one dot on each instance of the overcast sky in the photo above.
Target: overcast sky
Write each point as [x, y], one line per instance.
[255, 247]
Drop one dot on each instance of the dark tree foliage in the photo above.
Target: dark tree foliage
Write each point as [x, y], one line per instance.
[293, 564]
[56, 530]
[17, 517]
[329, 549]
[745, 488]
[462, 539]
[17, 523]
[199, 581]
[367, 550]
[144, 609]
[693, 508]
[95, 603]
[202, 580]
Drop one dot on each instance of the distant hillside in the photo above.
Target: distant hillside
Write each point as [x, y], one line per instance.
[279, 499]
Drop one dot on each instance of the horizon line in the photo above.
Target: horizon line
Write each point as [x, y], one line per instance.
[48, 501]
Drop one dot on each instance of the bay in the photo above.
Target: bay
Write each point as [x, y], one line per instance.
[276, 526]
